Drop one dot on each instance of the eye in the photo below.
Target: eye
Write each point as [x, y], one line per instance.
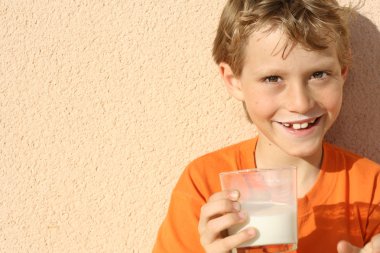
[272, 79]
[319, 75]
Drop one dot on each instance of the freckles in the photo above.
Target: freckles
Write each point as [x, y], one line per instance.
[335, 101]
[331, 99]
[332, 105]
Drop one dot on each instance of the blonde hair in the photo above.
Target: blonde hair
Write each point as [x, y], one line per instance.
[312, 23]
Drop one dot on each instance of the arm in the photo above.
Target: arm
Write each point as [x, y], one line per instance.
[372, 229]
[178, 232]
[193, 224]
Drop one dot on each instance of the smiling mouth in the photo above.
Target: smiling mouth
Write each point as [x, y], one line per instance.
[301, 126]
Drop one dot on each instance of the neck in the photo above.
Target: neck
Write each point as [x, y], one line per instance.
[269, 155]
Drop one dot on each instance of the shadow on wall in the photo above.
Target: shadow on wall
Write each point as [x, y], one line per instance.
[358, 126]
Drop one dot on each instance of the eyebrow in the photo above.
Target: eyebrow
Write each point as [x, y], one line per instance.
[326, 61]
[321, 65]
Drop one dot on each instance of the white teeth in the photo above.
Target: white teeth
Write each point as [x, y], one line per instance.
[296, 126]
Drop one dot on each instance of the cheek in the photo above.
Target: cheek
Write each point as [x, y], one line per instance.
[333, 100]
[260, 108]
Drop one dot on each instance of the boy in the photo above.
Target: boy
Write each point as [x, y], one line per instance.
[287, 61]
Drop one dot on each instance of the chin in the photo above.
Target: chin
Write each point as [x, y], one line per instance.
[304, 151]
[302, 154]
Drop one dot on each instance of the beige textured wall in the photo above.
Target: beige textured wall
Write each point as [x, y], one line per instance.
[103, 103]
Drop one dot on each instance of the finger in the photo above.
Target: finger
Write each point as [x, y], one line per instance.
[375, 241]
[346, 247]
[228, 243]
[227, 194]
[215, 226]
[211, 209]
[216, 208]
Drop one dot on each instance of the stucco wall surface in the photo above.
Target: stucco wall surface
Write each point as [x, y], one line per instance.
[103, 103]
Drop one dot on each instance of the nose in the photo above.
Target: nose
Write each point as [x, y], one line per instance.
[299, 98]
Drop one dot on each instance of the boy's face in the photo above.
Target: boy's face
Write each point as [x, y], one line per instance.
[293, 99]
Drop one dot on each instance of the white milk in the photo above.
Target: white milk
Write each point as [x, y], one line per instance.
[275, 222]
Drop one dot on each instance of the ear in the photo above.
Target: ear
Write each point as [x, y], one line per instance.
[344, 72]
[231, 82]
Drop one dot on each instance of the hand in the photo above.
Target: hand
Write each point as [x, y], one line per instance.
[219, 213]
[372, 247]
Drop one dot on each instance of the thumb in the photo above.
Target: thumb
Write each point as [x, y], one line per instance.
[346, 247]
[375, 241]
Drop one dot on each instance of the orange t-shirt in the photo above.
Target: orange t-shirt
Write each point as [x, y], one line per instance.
[344, 203]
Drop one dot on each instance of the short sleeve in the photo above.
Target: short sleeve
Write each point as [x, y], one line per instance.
[179, 230]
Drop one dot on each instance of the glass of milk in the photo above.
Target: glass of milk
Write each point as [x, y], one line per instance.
[269, 197]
